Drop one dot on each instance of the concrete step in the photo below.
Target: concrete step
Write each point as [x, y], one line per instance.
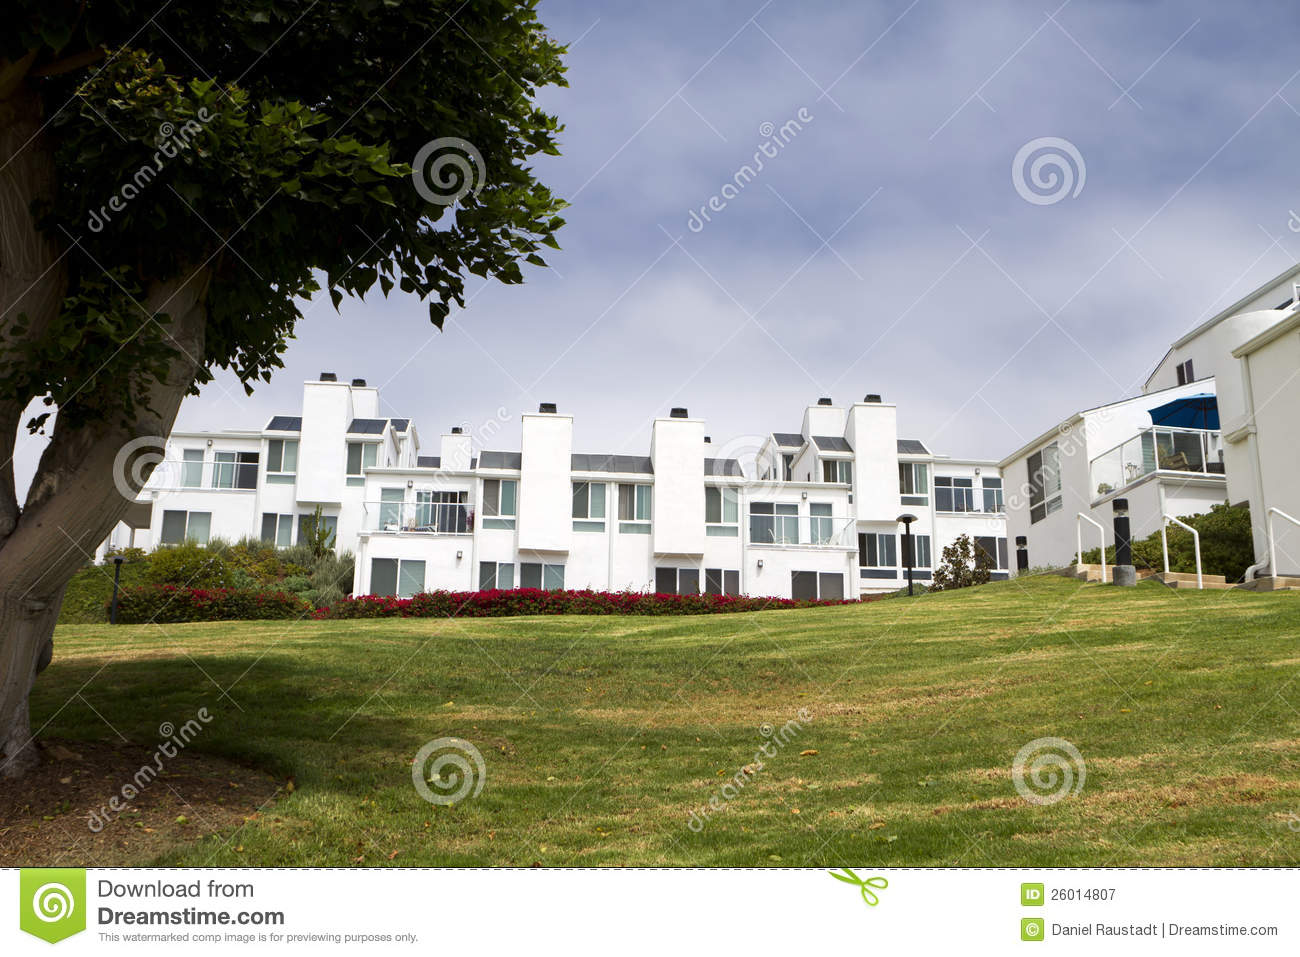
[1188, 580]
[1092, 573]
[1272, 583]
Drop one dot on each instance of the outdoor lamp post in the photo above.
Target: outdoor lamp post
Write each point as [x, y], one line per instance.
[1125, 573]
[909, 556]
[117, 575]
[1022, 553]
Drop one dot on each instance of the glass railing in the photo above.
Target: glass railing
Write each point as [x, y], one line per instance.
[829, 530]
[1156, 449]
[429, 518]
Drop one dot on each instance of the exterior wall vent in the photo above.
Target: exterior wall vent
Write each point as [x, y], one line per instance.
[456, 430]
[679, 413]
[547, 408]
[358, 383]
[824, 401]
[872, 397]
[328, 377]
[708, 440]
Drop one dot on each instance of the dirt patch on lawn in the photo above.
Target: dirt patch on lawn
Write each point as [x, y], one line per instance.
[46, 817]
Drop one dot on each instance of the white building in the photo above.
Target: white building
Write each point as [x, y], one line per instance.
[814, 515]
[1232, 384]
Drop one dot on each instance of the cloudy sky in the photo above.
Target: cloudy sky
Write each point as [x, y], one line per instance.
[888, 245]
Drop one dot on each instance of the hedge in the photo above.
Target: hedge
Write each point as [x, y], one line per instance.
[168, 603]
[533, 601]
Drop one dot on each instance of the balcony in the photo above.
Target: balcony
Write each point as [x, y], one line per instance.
[424, 518]
[1157, 449]
[826, 531]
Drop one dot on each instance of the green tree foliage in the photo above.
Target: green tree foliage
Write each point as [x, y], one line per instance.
[1227, 547]
[962, 565]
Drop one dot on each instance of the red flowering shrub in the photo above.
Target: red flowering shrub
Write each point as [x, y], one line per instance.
[168, 603]
[533, 601]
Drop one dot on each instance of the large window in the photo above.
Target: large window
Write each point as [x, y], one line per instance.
[443, 512]
[192, 468]
[992, 494]
[499, 496]
[496, 575]
[810, 586]
[914, 483]
[721, 581]
[721, 511]
[954, 494]
[773, 524]
[400, 577]
[281, 461]
[878, 550]
[677, 581]
[820, 523]
[1044, 483]
[837, 470]
[178, 526]
[277, 529]
[234, 470]
[589, 506]
[634, 509]
[390, 508]
[541, 575]
[307, 524]
[920, 544]
[994, 548]
[361, 455]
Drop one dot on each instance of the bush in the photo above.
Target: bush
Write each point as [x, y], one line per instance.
[962, 565]
[189, 565]
[1227, 547]
[169, 604]
[534, 601]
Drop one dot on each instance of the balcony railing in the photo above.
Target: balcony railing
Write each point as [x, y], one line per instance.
[429, 518]
[1156, 449]
[829, 530]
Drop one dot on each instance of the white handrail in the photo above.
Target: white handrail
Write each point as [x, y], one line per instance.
[1078, 531]
[1196, 541]
[1272, 539]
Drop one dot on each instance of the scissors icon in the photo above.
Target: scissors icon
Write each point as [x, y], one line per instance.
[868, 895]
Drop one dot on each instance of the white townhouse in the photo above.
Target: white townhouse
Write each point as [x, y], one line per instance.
[1216, 422]
[815, 517]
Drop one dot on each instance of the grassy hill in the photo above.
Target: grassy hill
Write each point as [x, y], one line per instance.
[601, 736]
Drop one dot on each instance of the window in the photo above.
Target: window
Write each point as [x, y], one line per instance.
[1044, 483]
[540, 575]
[877, 550]
[277, 529]
[390, 508]
[721, 511]
[391, 576]
[992, 494]
[499, 503]
[994, 548]
[837, 470]
[443, 512]
[307, 524]
[588, 506]
[178, 526]
[720, 581]
[281, 461]
[914, 483]
[810, 586]
[954, 494]
[787, 464]
[634, 509]
[1185, 372]
[819, 524]
[192, 468]
[361, 455]
[921, 545]
[773, 524]
[234, 470]
[496, 575]
[677, 581]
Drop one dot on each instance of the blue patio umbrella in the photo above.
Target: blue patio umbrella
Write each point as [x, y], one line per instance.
[1189, 412]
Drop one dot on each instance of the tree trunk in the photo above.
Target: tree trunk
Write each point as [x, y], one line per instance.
[27, 626]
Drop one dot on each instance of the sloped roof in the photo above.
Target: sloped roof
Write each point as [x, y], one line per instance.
[788, 440]
[367, 426]
[726, 467]
[597, 462]
[499, 460]
[832, 443]
[285, 423]
[912, 447]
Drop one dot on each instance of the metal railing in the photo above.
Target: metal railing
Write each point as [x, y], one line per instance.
[1080, 518]
[1198, 451]
[1272, 536]
[428, 518]
[1196, 542]
[831, 531]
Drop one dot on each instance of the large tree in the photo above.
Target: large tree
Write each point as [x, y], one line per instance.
[176, 183]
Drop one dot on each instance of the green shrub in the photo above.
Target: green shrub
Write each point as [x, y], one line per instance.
[169, 604]
[189, 565]
[1227, 546]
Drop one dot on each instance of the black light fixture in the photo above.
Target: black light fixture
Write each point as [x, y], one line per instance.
[1125, 573]
[909, 554]
[117, 576]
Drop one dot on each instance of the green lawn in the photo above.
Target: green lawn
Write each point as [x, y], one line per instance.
[602, 735]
